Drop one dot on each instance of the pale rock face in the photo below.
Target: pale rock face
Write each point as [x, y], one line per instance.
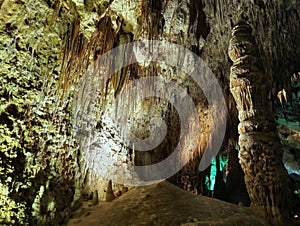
[130, 11]
[176, 17]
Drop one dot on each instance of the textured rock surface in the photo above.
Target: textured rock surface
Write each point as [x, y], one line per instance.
[260, 151]
[291, 144]
[46, 47]
[164, 204]
[37, 162]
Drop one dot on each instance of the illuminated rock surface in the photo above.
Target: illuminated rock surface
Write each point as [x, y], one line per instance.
[164, 204]
[46, 47]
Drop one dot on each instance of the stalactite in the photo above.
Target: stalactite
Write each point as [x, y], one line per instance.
[260, 151]
[119, 77]
[198, 23]
[75, 57]
[152, 21]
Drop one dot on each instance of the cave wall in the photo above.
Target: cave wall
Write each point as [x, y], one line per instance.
[38, 154]
[46, 52]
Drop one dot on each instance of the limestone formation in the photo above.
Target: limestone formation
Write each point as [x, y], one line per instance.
[109, 192]
[260, 151]
[95, 197]
[46, 47]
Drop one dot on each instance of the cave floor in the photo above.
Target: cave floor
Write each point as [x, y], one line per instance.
[163, 204]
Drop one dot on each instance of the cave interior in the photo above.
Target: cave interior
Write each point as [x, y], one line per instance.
[149, 112]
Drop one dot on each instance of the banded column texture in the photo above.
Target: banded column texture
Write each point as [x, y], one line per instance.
[260, 153]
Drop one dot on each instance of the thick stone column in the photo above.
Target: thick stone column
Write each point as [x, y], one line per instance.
[260, 153]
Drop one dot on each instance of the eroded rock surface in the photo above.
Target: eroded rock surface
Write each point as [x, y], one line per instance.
[260, 151]
[46, 47]
[164, 204]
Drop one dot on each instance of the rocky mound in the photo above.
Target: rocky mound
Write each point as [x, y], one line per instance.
[164, 204]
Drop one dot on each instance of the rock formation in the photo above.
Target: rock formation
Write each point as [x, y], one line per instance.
[46, 47]
[155, 205]
[260, 151]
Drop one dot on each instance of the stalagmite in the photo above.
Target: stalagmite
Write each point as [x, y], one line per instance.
[260, 151]
[95, 200]
[109, 192]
